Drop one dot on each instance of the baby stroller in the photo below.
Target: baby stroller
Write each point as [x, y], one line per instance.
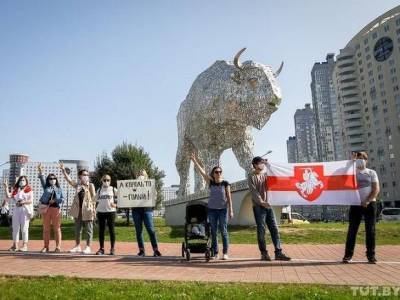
[197, 231]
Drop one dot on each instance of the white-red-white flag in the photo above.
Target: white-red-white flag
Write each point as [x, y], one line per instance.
[320, 183]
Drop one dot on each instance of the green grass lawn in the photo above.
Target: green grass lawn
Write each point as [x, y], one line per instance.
[314, 233]
[72, 288]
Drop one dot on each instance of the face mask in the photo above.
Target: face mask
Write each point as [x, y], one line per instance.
[53, 182]
[22, 183]
[106, 183]
[260, 166]
[141, 177]
[85, 179]
[361, 164]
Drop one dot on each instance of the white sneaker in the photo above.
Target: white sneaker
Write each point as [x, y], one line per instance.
[87, 250]
[225, 257]
[24, 248]
[215, 256]
[76, 249]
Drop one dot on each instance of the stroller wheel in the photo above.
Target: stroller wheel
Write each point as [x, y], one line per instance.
[187, 252]
[183, 249]
[208, 255]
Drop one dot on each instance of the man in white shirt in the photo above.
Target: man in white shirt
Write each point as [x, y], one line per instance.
[368, 188]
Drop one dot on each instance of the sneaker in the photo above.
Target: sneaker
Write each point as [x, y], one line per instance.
[44, 250]
[225, 257]
[87, 250]
[13, 248]
[215, 256]
[100, 252]
[156, 253]
[141, 253]
[57, 250]
[112, 251]
[346, 260]
[24, 248]
[372, 260]
[265, 256]
[76, 249]
[281, 256]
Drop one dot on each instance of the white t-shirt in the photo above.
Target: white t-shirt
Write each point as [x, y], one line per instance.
[104, 198]
[365, 178]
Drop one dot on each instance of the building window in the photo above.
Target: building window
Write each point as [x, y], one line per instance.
[374, 35]
[398, 22]
[383, 49]
[386, 28]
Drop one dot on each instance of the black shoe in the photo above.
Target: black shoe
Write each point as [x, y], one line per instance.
[100, 252]
[281, 256]
[112, 251]
[156, 253]
[346, 259]
[372, 259]
[265, 256]
[141, 253]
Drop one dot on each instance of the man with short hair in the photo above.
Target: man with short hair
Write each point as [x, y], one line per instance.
[263, 212]
[368, 188]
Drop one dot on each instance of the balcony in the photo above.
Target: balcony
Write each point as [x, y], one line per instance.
[352, 116]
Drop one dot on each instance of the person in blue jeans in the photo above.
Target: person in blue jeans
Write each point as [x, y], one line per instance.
[219, 206]
[263, 212]
[144, 215]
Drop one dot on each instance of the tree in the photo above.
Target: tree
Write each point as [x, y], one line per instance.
[125, 163]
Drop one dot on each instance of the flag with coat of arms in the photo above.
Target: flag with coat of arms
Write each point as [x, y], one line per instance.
[319, 183]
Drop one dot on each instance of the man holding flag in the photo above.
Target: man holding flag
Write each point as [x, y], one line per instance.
[368, 188]
[263, 212]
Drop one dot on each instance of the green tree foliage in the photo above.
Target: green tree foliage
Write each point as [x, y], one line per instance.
[125, 163]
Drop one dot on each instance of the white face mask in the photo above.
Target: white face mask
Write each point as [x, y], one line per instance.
[22, 183]
[106, 184]
[84, 179]
[260, 166]
[361, 164]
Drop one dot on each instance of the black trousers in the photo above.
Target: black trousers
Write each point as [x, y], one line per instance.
[355, 215]
[109, 218]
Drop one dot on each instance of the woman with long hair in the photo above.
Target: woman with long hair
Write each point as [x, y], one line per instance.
[21, 209]
[219, 206]
[106, 199]
[50, 209]
[83, 208]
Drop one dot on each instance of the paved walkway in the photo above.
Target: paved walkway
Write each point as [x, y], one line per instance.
[310, 264]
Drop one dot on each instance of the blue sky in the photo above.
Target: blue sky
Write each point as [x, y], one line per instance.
[79, 77]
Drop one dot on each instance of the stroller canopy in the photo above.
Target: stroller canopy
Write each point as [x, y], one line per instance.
[197, 210]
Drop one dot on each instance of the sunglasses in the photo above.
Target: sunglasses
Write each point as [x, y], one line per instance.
[52, 178]
[217, 172]
[106, 180]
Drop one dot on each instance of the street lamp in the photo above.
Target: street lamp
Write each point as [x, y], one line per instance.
[4, 163]
[268, 152]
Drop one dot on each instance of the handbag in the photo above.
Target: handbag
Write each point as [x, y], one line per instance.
[43, 208]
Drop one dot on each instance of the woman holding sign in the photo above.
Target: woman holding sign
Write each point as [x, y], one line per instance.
[144, 215]
[106, 199]
[219, 205]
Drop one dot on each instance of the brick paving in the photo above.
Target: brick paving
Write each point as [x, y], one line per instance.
[310, 264]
